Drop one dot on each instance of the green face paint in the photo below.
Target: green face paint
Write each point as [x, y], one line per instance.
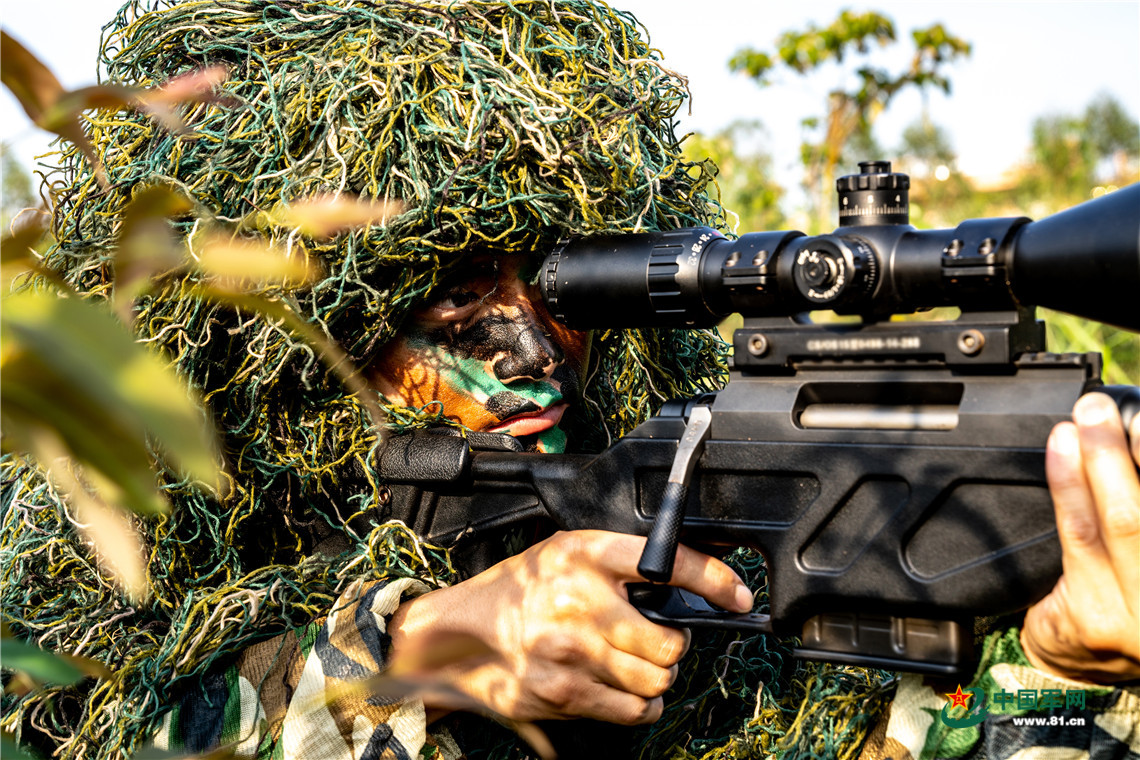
[488, 351]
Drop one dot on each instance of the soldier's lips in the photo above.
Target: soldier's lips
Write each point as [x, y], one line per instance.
[530, 424]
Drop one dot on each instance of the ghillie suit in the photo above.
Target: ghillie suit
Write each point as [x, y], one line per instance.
[503, 126]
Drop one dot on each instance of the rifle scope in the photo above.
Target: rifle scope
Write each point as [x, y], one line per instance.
[1085, 261]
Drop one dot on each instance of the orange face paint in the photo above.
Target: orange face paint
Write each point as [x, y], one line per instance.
[489, 351]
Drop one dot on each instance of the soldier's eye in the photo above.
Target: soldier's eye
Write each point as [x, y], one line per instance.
[458, 302]
[457, 298]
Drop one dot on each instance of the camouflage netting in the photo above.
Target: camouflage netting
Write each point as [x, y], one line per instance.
[503, 126]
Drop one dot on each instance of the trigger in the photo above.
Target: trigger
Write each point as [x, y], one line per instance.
[678, 608]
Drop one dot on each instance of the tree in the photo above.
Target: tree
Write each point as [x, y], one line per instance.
[744, 175]
[940, 195]
[17, 188]
[1072, 155]
[850, 111]
[1114, 135]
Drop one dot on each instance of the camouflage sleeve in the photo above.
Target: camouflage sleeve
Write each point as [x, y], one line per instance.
[1012, 712]
[292, 697]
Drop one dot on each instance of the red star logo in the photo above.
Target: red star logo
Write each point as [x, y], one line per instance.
[959, 698]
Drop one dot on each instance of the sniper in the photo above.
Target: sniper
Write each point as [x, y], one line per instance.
[503, 127]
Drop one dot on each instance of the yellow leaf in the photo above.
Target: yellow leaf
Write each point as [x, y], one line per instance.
[325, 216]
[147, 244]
[17, 250]
[238, 264]
[116, 544]
[57, 110]
[118, 549]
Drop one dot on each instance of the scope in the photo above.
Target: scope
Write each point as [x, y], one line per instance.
[1085, 261]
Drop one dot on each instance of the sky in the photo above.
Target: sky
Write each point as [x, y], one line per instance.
[1029, 59]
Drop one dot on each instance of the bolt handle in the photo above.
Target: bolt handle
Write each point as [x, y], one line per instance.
[656, 563]
[660, 550]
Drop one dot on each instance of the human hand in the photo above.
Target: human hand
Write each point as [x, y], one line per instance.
[563, 638]
[1088, 627]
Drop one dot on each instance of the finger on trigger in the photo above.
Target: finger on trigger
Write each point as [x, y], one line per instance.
[709, 577]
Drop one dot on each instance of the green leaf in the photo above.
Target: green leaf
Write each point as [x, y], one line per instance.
[9, 749]
[38, 663]
[70, 363]
[43, 419]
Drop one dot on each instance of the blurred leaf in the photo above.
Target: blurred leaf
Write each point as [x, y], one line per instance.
[20, 684]
[33, 84]
[9, 749]
[89, 666]
[38, 663]
[37, 407]
[17, 250]
[147, 244]
[119, 548]
[412, 676]
[535, 737]
[438, 653]
[57, 110]
[69, 363]
[236, 264]
[39, 93]
[325, 216]
[192, 87]
[31, 661]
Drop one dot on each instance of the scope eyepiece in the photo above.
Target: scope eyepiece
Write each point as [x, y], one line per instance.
[650, 279]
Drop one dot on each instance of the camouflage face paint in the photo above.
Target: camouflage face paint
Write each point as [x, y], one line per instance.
[488, 350]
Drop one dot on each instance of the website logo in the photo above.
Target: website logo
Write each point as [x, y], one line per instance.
[962, 699]
[1021, 701]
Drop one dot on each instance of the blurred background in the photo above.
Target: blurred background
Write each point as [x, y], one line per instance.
[993, 108]
[1040, 112]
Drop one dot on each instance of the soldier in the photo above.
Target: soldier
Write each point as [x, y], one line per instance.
[503, 126]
